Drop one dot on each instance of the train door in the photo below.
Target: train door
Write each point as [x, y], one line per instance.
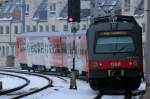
[47, 53]
[50, 51]
[21, 49]
[28, 52]
[56, 53]
[78, 55]
[83, 52]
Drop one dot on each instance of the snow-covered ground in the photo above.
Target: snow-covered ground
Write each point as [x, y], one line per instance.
[10, 82]
[35, 83]
[61, 89]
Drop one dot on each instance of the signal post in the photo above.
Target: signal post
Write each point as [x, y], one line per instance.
[73, 19]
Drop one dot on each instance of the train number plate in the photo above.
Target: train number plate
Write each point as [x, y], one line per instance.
[115, 64]
[115, 73]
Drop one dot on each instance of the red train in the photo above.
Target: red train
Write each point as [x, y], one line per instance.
[110, 52]
[115, 53]
[52, 50]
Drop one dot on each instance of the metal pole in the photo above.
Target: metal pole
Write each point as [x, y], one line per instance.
[23, 15]
[73, 84]
[147, 52]
[74, 37]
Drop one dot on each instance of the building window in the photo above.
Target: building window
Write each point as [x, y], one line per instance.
[65, 27]
[143, 27]
[53, 27]
[52, 9]
[1, 30]
[83, 27]
[28, 28]
[7, 29]
[16, 30]
[27, 9]
[41, 28]
[34, 28]
[13, 50]
[0, 51]
[126, 5]
[3, 50]
[7, 50]
[47, 28]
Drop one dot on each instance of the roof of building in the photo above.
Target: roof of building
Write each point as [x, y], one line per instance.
[140, 8]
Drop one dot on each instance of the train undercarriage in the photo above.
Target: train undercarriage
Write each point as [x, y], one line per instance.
[115, 83]
[115, 79]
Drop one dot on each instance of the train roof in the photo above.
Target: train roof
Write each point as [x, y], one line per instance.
[45, 34]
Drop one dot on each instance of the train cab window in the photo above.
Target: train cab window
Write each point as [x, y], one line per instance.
[114, 44]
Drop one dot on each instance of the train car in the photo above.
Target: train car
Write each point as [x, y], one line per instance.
[115, 59]
[48, 50]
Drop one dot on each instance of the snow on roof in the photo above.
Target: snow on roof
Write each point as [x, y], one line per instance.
[35, 34]
[5, 19]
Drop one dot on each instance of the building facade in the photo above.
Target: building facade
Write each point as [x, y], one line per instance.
[135, 8]
[34, 16]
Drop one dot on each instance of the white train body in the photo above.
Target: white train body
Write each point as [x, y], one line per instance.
[52, 49]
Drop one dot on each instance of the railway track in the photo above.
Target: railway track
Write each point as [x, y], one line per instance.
[22, 92]
[102, 95]
[2, 92]
[120, 94]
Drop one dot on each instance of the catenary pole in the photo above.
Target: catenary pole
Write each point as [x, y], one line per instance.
[23, 15]
[147, 28]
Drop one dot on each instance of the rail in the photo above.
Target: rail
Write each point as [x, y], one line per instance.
[34, 91]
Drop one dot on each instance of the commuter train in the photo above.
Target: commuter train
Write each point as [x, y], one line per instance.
[40, 51]
[115, 57]
[109, 52]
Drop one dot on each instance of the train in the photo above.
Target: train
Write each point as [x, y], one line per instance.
[53, 51]
[109, 53]
[115, 56]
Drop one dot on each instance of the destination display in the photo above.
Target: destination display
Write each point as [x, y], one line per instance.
[113, 33]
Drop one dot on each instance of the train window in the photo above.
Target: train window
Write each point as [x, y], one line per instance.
[114, 44]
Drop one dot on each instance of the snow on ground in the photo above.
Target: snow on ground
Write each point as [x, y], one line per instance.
[35, 81]
[9, 82]
[61, 91]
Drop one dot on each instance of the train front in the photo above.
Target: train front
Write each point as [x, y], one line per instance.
[115, 53]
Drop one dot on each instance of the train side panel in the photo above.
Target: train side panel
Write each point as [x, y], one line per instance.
[21, 43]
[54, 51]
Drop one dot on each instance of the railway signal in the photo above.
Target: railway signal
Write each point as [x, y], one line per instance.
[74, 29]
[73, 10]
[73, 17]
